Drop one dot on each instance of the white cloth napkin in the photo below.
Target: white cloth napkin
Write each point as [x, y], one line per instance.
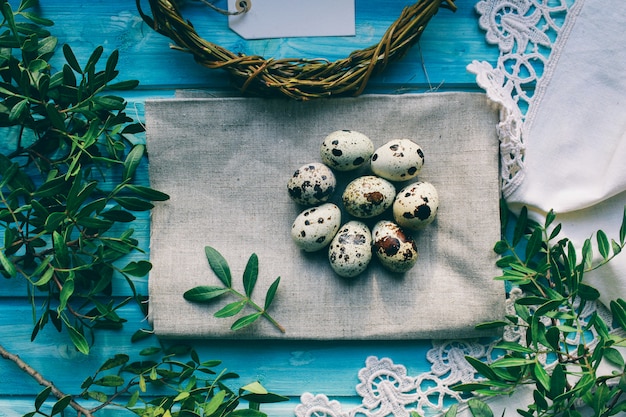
[225, 164]
[575, 136]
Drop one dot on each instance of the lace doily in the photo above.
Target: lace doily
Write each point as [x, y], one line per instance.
[529, 35]
[388, 390]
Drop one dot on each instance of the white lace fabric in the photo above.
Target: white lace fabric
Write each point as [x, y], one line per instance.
[532, 36]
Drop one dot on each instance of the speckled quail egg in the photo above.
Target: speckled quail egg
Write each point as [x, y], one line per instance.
[395, 249]
[350, 251]
[312, 184]
[398, 160]
[315, 227]
[416, 205]
[368, 196]
[346, 150]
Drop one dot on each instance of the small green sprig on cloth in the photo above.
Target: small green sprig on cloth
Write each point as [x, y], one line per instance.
[209, 293]
[562, 350]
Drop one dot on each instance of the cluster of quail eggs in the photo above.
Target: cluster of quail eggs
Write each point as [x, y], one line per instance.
[351, 245]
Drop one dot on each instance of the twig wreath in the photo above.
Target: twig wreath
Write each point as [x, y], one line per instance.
[296, 78]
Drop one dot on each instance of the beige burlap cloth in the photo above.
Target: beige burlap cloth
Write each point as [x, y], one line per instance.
[225, 163]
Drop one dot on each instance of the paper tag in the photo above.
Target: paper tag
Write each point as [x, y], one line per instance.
[291, 18]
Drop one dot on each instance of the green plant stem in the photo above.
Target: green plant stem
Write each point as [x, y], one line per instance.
[258, 308]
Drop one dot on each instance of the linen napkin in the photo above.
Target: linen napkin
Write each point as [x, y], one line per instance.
[225, 163]
[575, 136]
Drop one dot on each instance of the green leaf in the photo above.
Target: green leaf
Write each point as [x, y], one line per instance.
[542, 376]
[137, 268]
[603, 244]
[42, 397]
[587, 254]
[110, 103]
[500, 247]
[251, 274]
[98, 396]
[45, 277]
[271, 292]
[587, 292]
[550, 217]
[219, 265]
[520, 226]
[93, 59]
[506, 261]
[133, 203]
[534, 244]
[123, 85]
[452, 411]
[118, 215]
[511, 362]
[231, 309]
[555, 232]
[614, 356]
[479, 408]
[482, 368]
[71, 59]
[140, 334]
[215, 403]
[95, 223]
[54, 220]
[245, 321]
[7, 265]
[619, 313]
[18, 109]
[66, 292]
[61, 405]
[204, 293]
[147, 193]
[79, 193]
[110, 381]
[37, 19]
[255, 388]
[78, 339]
[150, 351]
[111, 64]
[52, 187]
[117, 360]
[622, 229]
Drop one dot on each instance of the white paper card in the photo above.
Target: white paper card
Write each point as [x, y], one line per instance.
[293, 18]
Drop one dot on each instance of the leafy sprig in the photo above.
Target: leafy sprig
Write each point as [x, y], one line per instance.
[67, 190]
[166, 381]
[209, 293]
[562, 350]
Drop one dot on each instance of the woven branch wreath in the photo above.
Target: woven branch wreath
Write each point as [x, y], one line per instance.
[296, 78]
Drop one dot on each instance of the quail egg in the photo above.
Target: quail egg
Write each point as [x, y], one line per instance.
[416, 205]
[315, 227]
[346, 150]
[350, 251]
[312, 184]
[398, 160]
[368, 196]
[395, 249]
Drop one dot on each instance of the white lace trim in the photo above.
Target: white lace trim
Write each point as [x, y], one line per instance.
[386, 388]
[530, 35]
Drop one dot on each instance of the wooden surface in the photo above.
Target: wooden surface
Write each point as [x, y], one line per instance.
[438, 63]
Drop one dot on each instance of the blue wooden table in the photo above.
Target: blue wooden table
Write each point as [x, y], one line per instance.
[438, 63]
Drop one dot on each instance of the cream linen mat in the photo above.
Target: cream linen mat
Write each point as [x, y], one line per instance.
[225, 163]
